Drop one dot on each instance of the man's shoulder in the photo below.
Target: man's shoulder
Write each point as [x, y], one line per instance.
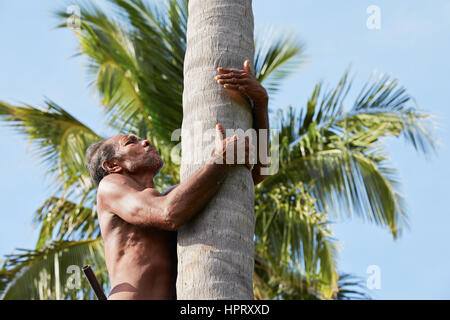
[115, 178]
[113, 186]
[113, 190]
[117, 185]
[113, 181]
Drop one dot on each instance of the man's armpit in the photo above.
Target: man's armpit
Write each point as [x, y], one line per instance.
[169, 190]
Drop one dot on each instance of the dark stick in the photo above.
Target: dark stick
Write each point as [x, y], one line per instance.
[94, 283]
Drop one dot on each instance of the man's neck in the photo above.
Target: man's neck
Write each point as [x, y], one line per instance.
[143, 178]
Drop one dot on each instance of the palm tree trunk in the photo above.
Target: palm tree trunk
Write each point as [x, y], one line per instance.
[216, 250]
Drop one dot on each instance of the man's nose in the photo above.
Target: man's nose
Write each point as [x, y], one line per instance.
[146, 143]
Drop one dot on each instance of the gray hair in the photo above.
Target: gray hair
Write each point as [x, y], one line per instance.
[95, 155]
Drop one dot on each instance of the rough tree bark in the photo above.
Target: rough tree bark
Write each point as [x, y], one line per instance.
[216, 250]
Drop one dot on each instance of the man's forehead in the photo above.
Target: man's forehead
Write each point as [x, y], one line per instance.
[119, 139]
[123, 137]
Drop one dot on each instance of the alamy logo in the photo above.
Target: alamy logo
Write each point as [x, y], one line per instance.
[374, 280]
[74, 280]
[374, 19]
[205, 138]
[74, 21]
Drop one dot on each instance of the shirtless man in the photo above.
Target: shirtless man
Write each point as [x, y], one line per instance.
[138, 224]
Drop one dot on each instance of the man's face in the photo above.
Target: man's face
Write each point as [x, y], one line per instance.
[136, 154]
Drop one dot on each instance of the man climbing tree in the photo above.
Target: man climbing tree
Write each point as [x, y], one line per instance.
[138, 224]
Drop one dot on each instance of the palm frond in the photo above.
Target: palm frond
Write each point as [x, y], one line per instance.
[351, 287]
[270, 284]
[342, 153]
[59, 140]
[137, 65]
[294, 244]
[63, 220]
[277, 56]
[45, 274]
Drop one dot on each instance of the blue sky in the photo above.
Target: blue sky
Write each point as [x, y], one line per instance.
[412, 44]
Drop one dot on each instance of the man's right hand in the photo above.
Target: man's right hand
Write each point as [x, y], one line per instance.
[232, 146]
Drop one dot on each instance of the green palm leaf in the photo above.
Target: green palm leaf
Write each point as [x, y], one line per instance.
[61, 219]
[137, 65]
[342, 153]
[59, 140]
[351, 287]
[44, 274]
[277, 56]
[294, 244]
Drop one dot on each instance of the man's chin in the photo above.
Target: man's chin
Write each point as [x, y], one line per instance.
[156, 165]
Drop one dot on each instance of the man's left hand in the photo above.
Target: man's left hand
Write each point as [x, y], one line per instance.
[245, 82]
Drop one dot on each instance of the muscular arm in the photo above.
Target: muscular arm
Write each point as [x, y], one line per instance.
[121, 195]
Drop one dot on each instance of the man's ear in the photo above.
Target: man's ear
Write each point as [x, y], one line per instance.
[111, 166]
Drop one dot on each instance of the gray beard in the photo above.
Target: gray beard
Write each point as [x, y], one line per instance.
[159, 165]
[153, 164]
